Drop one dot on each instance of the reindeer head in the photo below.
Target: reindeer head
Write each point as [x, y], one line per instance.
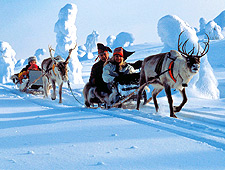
[193, 60]
[62, 66]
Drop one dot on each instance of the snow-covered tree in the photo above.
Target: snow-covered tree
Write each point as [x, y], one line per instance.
[204, 84]
[19, 64]
[110, 40]
[91, 41]
[220, 20]
[65, 30]
[39, 53]
[202, 24]
[7, 62]
[213, 31]
[123, 39]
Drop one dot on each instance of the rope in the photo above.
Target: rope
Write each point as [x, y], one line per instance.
[68, 82]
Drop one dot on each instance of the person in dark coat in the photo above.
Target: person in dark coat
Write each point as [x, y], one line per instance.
[96, 72]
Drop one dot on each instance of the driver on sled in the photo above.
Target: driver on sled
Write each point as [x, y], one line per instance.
[23, 75]
[116, 70]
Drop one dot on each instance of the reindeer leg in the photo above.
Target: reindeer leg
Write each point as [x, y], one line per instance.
[144, 94]
[53, 96]
[170, 100]
[142, 81]
[60, 93]
[45, 86]
[183, 94]
[155, 92]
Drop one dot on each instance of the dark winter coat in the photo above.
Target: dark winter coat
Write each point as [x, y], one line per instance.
[96, 77]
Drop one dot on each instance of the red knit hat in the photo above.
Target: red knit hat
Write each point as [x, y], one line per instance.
[119, 51]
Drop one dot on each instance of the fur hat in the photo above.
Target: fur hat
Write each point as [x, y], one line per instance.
[32, 58]
[125, 54]
[102, 48]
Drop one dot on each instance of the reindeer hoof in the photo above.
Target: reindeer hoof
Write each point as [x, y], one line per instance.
[174, 116]
[53, 98]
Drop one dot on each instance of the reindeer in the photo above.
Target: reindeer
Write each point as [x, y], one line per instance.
[54, 70]
[91, 96]
[178, 66]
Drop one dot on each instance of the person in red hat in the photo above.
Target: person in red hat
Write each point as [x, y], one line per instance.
[116, 66]
[96, 72]
[32, 65]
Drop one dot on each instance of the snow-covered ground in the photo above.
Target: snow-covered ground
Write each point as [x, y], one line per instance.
[40, 134]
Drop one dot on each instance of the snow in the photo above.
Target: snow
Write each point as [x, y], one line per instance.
[37, 133]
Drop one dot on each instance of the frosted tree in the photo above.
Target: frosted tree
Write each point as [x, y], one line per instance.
[123, 39]
[19, 64]
[202, 24]
[91, 41]
[7, 62]
[39, 53]
[204, 84]
[220, 20]
[213, 31]
[110, 40]
[66, 38]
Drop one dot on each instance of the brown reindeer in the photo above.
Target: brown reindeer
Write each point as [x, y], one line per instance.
[181, 66]
[55, 71]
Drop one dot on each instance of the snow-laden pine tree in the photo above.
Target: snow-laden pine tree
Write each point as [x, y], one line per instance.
[39, 53]
[66, 39]
[213, 31]
[7, 62]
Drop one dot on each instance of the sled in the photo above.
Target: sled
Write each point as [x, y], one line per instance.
[32, 84]
[128, 93]
[35, 84]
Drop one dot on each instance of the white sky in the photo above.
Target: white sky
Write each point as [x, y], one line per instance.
[28, 25]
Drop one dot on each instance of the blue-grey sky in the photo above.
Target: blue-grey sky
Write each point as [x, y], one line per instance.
[29, 24]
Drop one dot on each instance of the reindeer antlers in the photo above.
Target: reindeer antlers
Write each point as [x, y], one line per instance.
[70, 51]
[50, 50]
[190, 53]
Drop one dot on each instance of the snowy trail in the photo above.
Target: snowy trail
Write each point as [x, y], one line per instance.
[201, 126]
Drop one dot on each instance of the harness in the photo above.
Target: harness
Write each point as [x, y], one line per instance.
[158, 68]
[53, 69]
[171, 71]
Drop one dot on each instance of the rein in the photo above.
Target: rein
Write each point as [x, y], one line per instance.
[68, 83]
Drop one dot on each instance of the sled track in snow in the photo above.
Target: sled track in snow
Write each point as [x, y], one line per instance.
[191, 125]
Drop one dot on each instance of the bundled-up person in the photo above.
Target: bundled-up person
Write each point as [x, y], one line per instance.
[116, 67]
[95, 79]
[32, 65]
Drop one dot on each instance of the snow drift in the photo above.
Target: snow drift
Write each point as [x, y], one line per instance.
[204, 84]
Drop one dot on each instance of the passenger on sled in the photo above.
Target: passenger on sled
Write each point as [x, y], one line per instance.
[22, 77]
[97, 69]
[116, 70]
